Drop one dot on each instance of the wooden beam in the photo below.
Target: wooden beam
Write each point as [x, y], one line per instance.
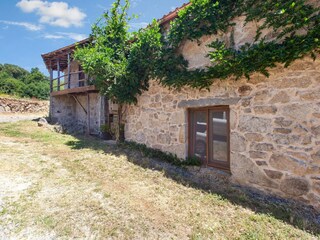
[69, 69]
[77, 90]
[58, 62]
[88, 113]
[51, 80]
[77, 100]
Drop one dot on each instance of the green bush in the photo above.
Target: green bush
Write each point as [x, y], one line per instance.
[11, 86]
[17, 81]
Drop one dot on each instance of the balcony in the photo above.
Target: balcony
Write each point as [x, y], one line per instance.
[71, 83]
[66, 75]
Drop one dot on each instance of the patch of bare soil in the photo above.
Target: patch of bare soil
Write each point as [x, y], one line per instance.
[55, 186]
[15, 117]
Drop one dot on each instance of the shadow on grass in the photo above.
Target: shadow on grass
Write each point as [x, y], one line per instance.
[215, 182]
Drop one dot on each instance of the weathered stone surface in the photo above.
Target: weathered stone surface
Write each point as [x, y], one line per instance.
[244, 90]
[182, 138]
[285, 139]
[282, 130]
[278, 115]
[167, 98]
[294, 186]
[266, 147]
[245, 171]
[238, 143]
[42, 122]
[208, 102]
[273, 174]
[233, 120]
[316, 187]
[292, 83]
[177, 117]
[261, 96]
[296, 111]
[286, 163]
[316, 156]
[257, 154]
[254, 137]
[299, 155]
[23, 106]
[317, 115]
[245, 102]
[265, 109]
[282, 122]
[141, 138]
[261, 163]
[281, 97]
[164, 139]
[254, 124]
[316, 130]
[306, 140]
[310, 95]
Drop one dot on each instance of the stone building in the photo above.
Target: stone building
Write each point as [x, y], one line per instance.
[264, 132]
[75, 102]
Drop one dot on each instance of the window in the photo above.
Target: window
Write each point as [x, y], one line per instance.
[209, 136]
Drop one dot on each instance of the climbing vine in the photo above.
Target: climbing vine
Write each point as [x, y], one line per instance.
[124, 62]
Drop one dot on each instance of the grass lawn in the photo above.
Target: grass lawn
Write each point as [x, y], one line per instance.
[55, 186]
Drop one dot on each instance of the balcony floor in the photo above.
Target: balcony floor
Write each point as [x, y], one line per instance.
[77, 90]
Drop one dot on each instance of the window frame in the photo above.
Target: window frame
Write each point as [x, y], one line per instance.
[191, 145]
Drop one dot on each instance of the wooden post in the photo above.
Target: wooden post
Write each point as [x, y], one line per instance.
[69, 76]
[51, 90]
[88, 113]
[51, 79]
[58, 69]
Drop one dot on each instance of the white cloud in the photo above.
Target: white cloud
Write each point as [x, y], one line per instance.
[138, 25]
[28, 26]
[134, 3]
[66, 35]
[54, 13]
[52, 36]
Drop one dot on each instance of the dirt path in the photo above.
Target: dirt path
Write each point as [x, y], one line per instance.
[56, 186]
[15, 117]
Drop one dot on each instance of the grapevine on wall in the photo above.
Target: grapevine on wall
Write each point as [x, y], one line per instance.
[123, 62]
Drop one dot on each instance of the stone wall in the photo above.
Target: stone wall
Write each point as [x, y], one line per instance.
[66, 111]
[275, 121]
[10, 105]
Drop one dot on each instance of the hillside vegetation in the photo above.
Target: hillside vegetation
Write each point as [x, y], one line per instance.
[17, 81]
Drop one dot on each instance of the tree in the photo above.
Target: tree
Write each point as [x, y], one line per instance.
[15, 80]
[121, 62]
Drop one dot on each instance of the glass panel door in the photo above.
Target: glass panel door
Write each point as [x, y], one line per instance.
[199, 134]
[218, 138]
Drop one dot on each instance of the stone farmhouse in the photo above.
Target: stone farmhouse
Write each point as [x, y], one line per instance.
[264, 133]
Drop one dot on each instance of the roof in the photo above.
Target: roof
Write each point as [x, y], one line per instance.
[172, 15]
[62, 53]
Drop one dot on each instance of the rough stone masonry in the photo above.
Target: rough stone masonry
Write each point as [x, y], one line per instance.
[9, 105]
[275, 121]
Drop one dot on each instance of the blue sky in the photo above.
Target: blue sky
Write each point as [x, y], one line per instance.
[29, 28]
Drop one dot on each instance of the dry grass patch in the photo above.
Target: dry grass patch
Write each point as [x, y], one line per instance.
[93, 191]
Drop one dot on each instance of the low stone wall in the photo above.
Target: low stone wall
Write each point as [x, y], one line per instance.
[275, 127]
[10, 105]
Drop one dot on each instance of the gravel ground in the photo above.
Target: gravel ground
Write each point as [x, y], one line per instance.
[15, 117]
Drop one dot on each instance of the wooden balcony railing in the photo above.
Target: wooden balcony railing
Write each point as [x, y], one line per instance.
[67, 82]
